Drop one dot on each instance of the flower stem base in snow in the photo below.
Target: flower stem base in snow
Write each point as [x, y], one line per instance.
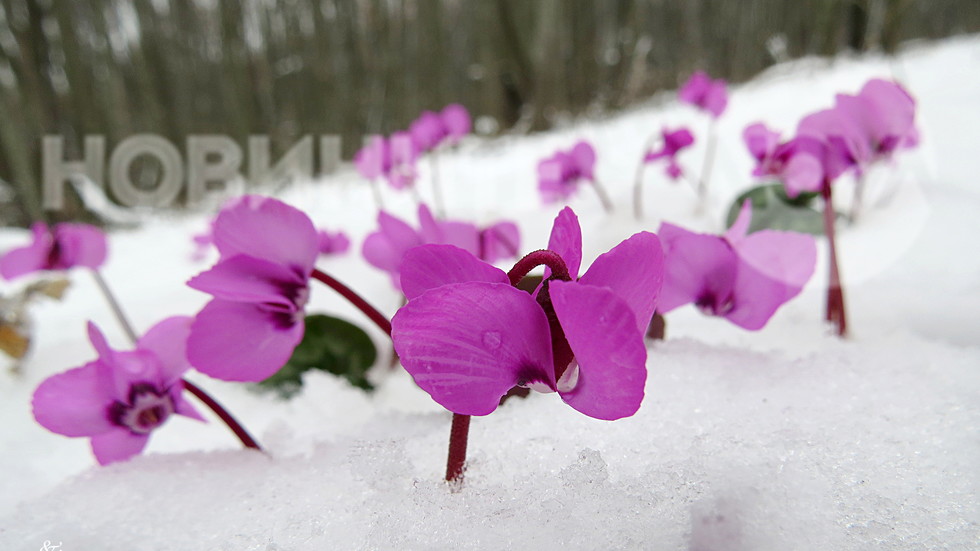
[458, 436]
[835, 293]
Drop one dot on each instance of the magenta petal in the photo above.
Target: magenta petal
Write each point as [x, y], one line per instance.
[118, 445]
[608, 348]
[431, 266]
[30, 258]
[76, 402]
[634, 271]
[269, 229]
[583, 155]
[248, 279]
[81, 245]
[740, 228]
[773, 267]
[695, 266]
[168, 341]
[467, 344]
[182, 406]
[501, 240]
[240, 342]
[456, 120]
[803, 172]
[566, 240]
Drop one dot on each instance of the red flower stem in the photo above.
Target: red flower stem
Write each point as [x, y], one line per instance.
[537, 258]
[603, 196]
[657, 330]
[370, 311]
[233, 424]
[458, 435]
[835, 293]
[242, 434]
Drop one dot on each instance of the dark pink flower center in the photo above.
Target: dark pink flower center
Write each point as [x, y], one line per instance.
[713, 305]
[147, 408]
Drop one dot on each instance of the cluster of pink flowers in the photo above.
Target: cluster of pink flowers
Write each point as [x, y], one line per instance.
[394, 158]
[466, 333]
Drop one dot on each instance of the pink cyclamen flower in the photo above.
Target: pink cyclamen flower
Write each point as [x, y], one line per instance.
[332, 243]
[393, 159]
[260, 287]
[560, 175]
[60, 247]
[743, 278]
[803, 163]
[867, 127]
[385, 248]
[673, 142]
[430, 129]
[705, 94]
[118, 399]
[467, 336]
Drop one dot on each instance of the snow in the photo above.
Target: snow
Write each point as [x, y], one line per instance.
[787, 438]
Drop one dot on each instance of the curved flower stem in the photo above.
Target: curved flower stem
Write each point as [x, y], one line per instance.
[835, 293]
[127, 327]
[537, 258]
[370, 311]
[709, 158]
[458, 436]
[242, 434]
[603, 196]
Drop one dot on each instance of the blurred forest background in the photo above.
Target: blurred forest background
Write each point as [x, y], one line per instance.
[288, 68]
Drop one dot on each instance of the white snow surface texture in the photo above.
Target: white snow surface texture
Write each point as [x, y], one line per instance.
[782, 439]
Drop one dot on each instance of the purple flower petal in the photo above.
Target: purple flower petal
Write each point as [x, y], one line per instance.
[74, 403]
[633, 270]
[499, 241]
[31, 258]
[467, 344]
[431, 266]
[566, 240]
[241, 342]
[608, 349]
[81, 245]
[456, 120]
[464, 235]
[773, 267]
[696, 268]
[168, 341]
[118, 445]
[740, 228]
[268, 229]
[583, 155]
[248, 279]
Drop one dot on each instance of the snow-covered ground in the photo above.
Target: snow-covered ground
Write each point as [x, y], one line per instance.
[787, 438]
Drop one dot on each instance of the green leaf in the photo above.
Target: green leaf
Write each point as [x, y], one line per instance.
[772, 209]
[330, 344]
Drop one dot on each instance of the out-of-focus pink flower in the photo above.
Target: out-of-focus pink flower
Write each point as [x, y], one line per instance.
[743, 278]
[430, 129]
[385, 248]
[560, 175]
[121, 397]
[672, 143]
[260, 287]
[705, 94]
[61, 247]
[332, 243]
[393, 159]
